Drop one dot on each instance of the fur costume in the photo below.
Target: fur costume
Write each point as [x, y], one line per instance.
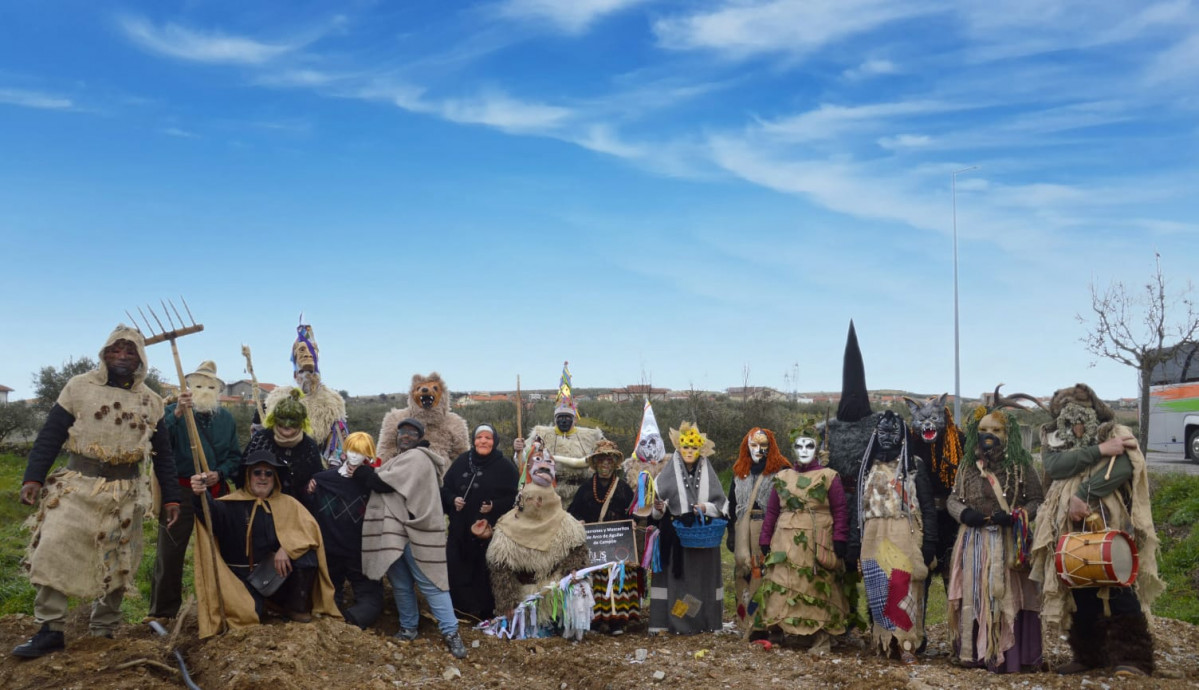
[847, 436]
[533, 544]
[570, 451]
[445, 431]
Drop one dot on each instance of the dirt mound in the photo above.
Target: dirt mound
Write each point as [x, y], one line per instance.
[328, 653]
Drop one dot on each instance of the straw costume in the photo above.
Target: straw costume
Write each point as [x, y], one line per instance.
[569, 443]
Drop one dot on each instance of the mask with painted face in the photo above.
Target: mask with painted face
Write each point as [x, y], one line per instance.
[543, 471]
[805, 450]
[759, 445]
[992, 435]
[889, 432]
[564, 422]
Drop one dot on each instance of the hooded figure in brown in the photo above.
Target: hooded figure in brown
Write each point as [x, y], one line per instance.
[87, 533]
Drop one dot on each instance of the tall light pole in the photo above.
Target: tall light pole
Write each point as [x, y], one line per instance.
[957, 360]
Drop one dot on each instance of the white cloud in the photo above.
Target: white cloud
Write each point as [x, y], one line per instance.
[870, 68]
[34, 99]
[831, 120]
[572, 16]
[497, 109]
[905, 141]
[181, 133]
[742, 28]
[181, 42]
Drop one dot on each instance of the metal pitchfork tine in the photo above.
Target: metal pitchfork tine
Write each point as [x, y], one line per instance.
[193, 432]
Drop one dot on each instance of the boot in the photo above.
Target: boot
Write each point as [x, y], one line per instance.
[43, 642]
[453, 642]
[1087, 642]
[298, 603]
[1130, 645]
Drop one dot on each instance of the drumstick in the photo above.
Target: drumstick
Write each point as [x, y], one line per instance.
[1110, 464]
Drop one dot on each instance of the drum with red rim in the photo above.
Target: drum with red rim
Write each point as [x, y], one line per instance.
[1107, 558]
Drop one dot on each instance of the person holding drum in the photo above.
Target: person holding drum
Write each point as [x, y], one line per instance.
[994, 608]
[1095, 548]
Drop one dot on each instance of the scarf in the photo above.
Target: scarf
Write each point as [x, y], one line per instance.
[681, 489]
[285, 443]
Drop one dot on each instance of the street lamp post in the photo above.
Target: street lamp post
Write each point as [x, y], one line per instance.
[957, 360]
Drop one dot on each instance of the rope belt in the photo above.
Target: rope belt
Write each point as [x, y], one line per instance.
[90, 467]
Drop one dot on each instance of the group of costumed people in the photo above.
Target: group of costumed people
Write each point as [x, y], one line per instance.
[866, 502]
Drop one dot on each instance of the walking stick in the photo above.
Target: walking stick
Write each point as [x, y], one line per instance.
[520, 432]
[193, 433]
[245, 350]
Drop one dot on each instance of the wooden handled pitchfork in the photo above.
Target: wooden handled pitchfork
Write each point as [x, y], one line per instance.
[193, 433]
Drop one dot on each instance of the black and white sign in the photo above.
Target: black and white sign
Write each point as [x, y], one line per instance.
[612, 541]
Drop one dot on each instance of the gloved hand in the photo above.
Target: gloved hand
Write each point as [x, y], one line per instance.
[765, 550]
[929, 551]
[840, 548]
[1001, 518]
[972, 518]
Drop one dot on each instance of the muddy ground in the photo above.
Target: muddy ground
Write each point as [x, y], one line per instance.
[330, 654]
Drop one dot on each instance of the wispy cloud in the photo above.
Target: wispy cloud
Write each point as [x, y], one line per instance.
[871, 68]
[572, 16]
[174, 40]
[181, 133]
[35, 99]
[739, 29]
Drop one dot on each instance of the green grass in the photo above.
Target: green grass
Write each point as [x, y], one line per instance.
[16, 594]
[1175, 512]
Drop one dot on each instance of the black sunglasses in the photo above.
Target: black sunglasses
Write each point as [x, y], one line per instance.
[264, 473]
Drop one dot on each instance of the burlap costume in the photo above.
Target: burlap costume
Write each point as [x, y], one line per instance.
[798, 594]
[1057, 606]
[87, 532]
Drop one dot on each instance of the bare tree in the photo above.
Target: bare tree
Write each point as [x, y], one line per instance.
[1132, 327]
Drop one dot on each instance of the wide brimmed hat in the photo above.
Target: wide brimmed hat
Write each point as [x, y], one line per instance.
[207, 368]
[264, 456]
[604, 448]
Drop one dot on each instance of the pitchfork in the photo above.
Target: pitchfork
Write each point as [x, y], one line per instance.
[193, 433]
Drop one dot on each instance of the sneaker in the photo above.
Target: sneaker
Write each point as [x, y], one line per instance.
[44, 641]
[406, 634]
[453, 642]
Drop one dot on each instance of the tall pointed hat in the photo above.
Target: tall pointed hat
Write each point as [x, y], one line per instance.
[649, 446]
[565, 402]
[855, 400]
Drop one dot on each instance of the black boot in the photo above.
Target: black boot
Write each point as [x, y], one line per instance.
[1087, 642]
[42, 643]
[295, 596]
[1130, 645]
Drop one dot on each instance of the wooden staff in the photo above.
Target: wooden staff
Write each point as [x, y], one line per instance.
[245, 350]
[519, 404]
[193, 433]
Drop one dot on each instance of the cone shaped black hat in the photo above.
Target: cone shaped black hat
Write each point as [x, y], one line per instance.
[855, 401]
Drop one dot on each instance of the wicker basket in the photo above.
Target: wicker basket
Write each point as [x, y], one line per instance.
[704, 533]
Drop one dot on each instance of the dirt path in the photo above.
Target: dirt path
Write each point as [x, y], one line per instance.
[329, 654]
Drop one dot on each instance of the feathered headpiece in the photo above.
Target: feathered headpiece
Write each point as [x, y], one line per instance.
[690, 436]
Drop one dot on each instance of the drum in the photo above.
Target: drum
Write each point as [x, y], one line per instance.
[1107, 558]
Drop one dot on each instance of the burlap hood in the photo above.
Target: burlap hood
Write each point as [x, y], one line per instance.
[122, 332]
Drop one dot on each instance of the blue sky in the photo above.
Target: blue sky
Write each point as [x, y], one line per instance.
[674, 189]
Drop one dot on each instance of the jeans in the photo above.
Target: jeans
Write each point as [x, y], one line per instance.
[405, 575]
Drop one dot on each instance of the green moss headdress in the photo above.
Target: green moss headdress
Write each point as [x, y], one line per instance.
[290, 412]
